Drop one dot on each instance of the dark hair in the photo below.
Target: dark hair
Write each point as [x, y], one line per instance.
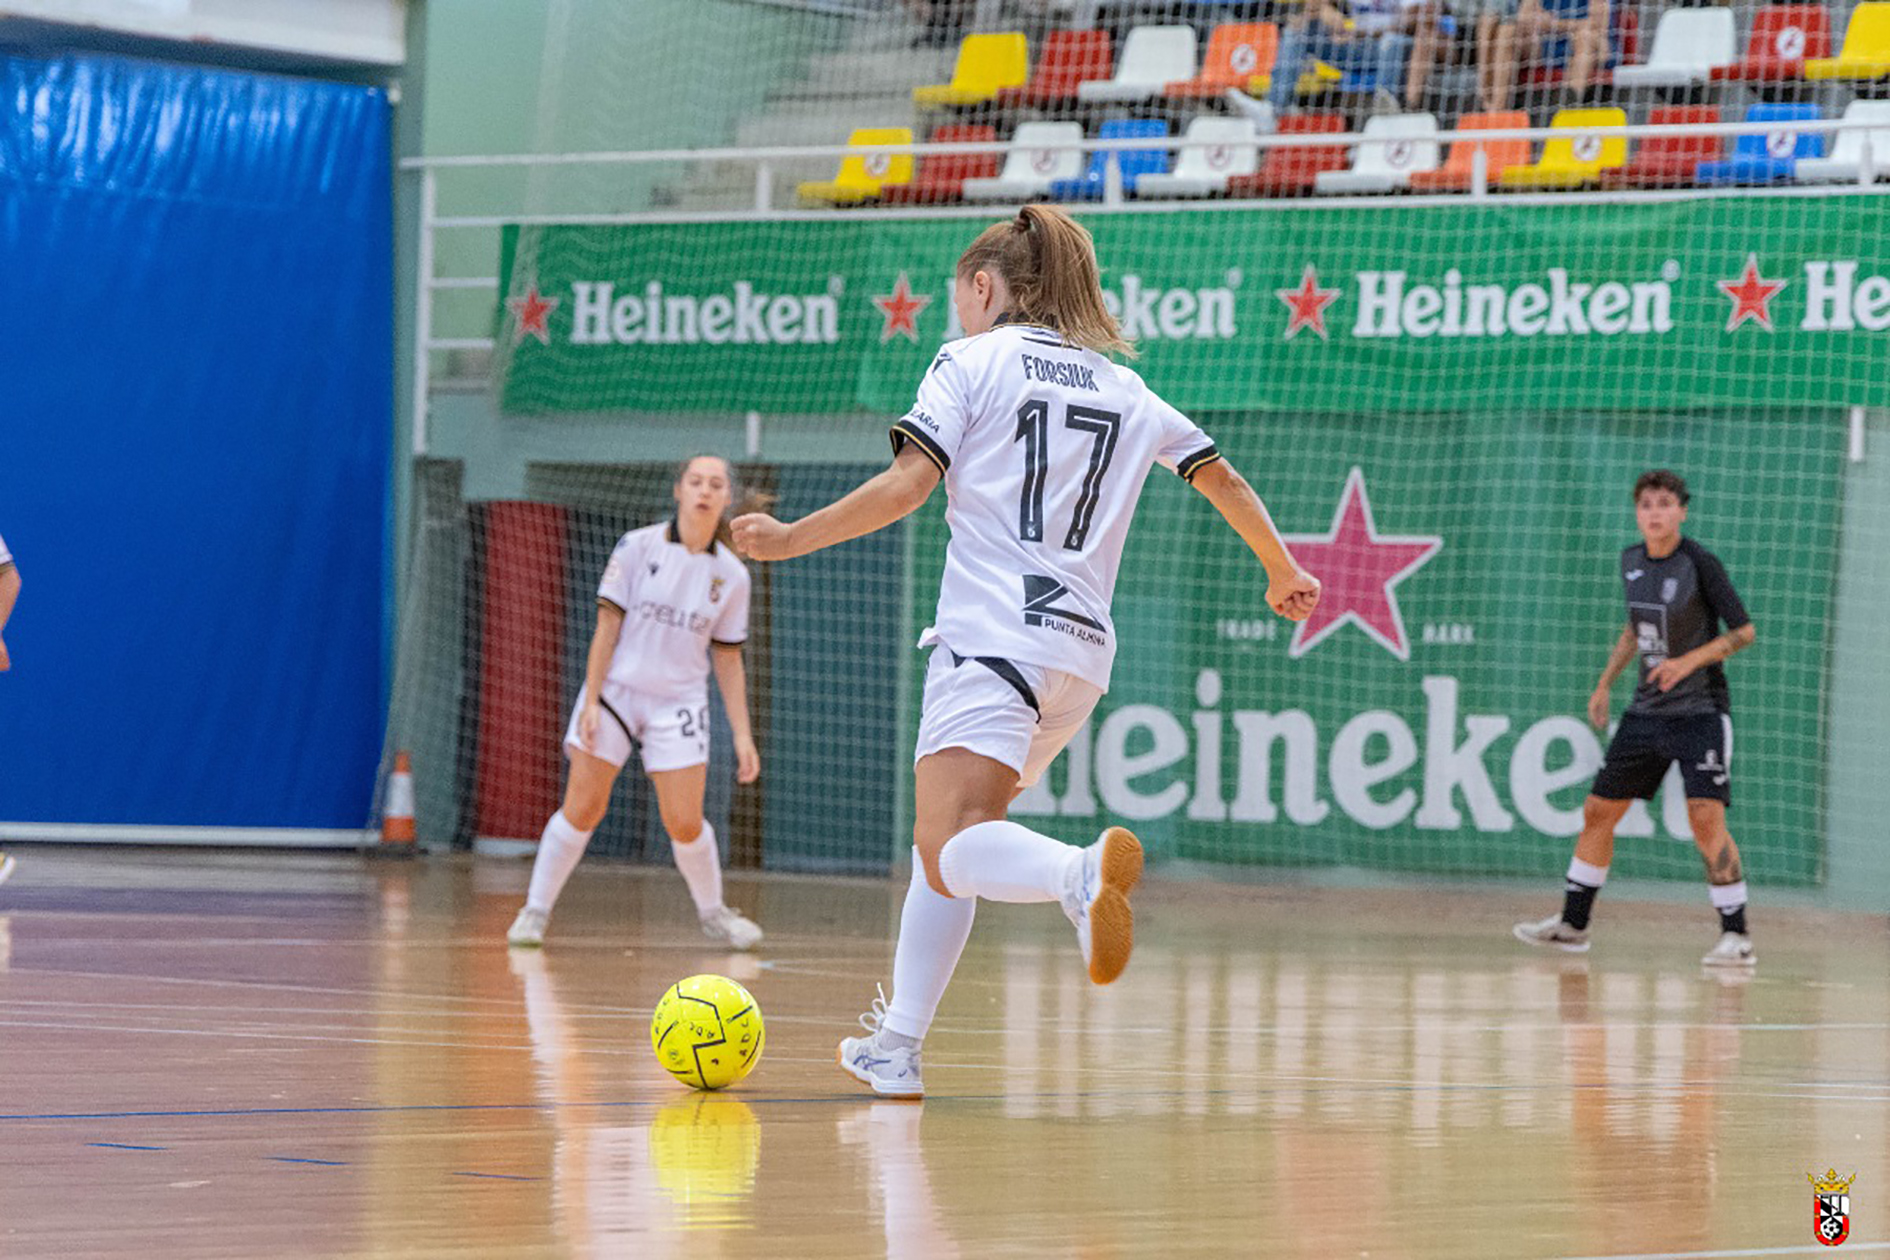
[740, 501]
[1662, 479]
[1048, 261]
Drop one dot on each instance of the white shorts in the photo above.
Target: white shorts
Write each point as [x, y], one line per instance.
[674, 734]
[1012, 712]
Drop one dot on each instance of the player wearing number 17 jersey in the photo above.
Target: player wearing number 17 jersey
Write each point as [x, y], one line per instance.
[1043, 445]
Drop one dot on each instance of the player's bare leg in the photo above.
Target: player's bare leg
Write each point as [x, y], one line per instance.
[1587, 871]
[698, 855]
[587, 787]
[1726, 880]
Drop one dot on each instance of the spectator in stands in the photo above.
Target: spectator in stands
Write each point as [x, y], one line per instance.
[1574, 32]
[1373, 35]
[1491, 25]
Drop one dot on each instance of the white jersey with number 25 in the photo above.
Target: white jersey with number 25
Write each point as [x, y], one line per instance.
[1044, 448]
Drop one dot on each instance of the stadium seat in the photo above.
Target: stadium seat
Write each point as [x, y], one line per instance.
[1152, 58]
[1227, 149]
[863, 175]
[1577, 160]
[1286, 172]
[987, 64]
[1407, 144]
[1239, 55]
[1133, 163]
[1866, 51]
[1688, 45]
[1768, 158]
[1031, 167]
[941, 176]
[1846, 163]
[1459, 163]
[1669, 161]
[1068, 59]
[1782, 37]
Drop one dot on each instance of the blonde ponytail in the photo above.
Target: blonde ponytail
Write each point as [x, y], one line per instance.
[1048, 261]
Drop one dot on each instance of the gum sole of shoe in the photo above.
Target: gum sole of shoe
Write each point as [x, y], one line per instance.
[1111, 921]
[840, 1062]
[1527, 939]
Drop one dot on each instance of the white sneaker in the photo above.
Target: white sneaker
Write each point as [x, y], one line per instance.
[731, 928]
[1097, 900]
[1553, 933]
[1734, 950]
[528, 930]
[6, 867]
[1261, 114]
[891, 1071]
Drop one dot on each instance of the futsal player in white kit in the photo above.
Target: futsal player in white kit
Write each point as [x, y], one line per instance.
[673, 597]
[9, 591]
[1043, 445]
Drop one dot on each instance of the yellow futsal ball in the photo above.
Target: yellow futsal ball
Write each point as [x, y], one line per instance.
[707, 1032]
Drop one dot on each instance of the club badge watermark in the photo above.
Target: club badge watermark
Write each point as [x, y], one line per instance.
[1830, 1207]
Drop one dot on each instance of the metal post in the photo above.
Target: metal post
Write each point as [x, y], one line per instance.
[764, 186]
[1866, 162]
[423, 308]
[1112, 179]
[1480, 172]
[1857, 435]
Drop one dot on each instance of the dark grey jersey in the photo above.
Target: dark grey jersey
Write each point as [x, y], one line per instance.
[1674, 605]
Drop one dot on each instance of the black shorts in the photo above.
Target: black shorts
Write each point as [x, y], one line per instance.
[1645, 745]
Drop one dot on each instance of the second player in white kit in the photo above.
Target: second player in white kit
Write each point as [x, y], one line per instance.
[1043, 445]
[673, 597]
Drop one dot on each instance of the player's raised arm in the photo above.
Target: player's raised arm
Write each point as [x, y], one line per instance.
[1291, 591]
[874, 504]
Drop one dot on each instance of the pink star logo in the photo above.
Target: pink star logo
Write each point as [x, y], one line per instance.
[1751, 295]
[1359, 570]
[533, 313]
[1307, 303]
[901, 308]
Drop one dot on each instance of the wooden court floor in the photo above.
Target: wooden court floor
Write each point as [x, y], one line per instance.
[264, 1056]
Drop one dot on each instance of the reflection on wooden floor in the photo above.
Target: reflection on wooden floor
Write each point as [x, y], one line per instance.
[313, 1056]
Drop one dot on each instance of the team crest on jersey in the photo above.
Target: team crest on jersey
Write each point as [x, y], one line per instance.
[1669, 587]
[715, 589]
[1830, 1207]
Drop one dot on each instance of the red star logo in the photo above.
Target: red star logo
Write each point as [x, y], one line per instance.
[533, 313]
[1750, 296]
[901, 309]
[1307, 303]
[1359, 568]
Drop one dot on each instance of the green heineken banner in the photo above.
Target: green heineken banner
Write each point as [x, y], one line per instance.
[1664, 305]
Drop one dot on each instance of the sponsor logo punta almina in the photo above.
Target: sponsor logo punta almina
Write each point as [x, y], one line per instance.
[605, 313]
[1558, 303]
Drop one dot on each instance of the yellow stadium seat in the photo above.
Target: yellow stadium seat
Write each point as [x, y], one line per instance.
[1576, 161]
[862, 175]
[1866, 51]
[986, 65]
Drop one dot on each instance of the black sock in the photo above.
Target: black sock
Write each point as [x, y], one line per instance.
[1733, 920]
[1577, 901]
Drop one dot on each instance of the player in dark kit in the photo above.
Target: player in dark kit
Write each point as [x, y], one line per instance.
[1678, 595]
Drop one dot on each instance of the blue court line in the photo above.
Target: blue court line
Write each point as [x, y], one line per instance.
[126, 1146]
[292, 1159]
[497, 1176]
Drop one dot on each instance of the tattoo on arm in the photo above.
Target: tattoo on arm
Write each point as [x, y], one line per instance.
[1723, 867]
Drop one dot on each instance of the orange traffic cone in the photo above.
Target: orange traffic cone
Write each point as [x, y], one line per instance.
[397, 817]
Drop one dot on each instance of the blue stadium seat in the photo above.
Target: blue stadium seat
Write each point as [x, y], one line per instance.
[1767, 158]
[1135, 163]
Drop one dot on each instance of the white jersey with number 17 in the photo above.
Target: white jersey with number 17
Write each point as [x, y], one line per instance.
[1044, 448]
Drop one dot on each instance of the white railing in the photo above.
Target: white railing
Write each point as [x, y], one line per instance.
[767, 161]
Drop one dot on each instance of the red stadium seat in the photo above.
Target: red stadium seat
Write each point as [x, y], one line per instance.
[1068, 58]
[1783, 36]
[941, 176]
[1668, 161]
[1288, 172]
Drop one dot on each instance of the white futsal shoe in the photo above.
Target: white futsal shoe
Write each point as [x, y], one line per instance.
[890, 1071]
[1553, 933]
[732, 928]
[1734, 950]
[528, 930]
[1096, 897]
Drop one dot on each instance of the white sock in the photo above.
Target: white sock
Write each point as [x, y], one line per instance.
[700, 862]
[1005, 861]
[1727, 897]
[1587, 873]
[933, 929]
[558, 852]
